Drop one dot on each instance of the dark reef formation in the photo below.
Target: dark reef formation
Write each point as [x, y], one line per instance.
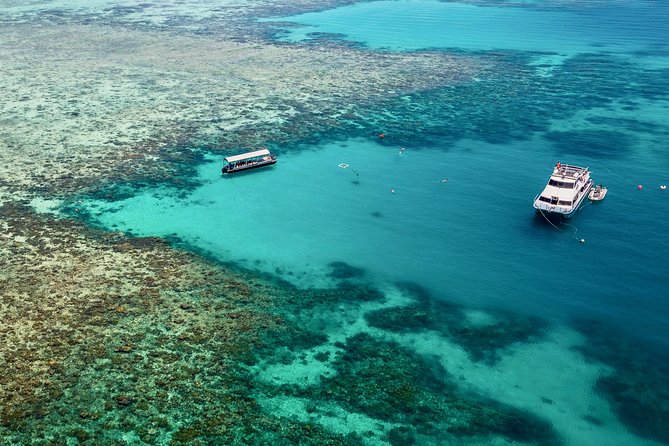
[638, 386]
[392, 384]
[483, 342]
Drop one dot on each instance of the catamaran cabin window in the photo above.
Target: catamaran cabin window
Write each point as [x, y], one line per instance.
[561, 184]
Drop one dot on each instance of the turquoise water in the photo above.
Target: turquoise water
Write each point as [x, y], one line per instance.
[460, 223]
[418, 24]
[474, 238]
[583, 83]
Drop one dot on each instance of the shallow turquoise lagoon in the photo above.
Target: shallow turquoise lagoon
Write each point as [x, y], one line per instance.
[460, 223]
[546, 28]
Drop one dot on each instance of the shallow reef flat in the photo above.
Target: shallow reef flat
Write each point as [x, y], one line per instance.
[114, 340]
[233, 19]
[114, 103]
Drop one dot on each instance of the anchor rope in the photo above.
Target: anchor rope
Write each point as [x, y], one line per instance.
[572, 226]
[553, 225]
[612, 172]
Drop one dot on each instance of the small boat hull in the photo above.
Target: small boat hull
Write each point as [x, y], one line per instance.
[249, 167]
[597, 194]
[559, 211]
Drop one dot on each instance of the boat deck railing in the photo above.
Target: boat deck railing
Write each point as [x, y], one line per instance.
[566, 170]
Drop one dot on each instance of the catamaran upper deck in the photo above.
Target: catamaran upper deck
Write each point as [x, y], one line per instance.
[568, 171]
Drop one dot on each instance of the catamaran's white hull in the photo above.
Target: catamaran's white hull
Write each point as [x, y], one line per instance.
[559, 210]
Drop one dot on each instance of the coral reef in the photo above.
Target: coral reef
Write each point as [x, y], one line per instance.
[362, 370]
[483, 341]
[110, 339]
[101, 105]
[390, 383]
[107, 337]
[638, 386]
[342, 270]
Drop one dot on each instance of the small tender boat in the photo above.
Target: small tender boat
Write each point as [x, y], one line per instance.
[250, 160]
[597, 193]
[566, 189]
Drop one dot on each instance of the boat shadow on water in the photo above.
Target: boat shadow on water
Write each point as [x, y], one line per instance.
[251, 171]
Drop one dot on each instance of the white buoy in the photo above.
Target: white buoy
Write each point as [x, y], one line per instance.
[392, 190]
[582, 240]
[663, 187]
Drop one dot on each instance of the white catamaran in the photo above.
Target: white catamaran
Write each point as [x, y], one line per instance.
[566, 189]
